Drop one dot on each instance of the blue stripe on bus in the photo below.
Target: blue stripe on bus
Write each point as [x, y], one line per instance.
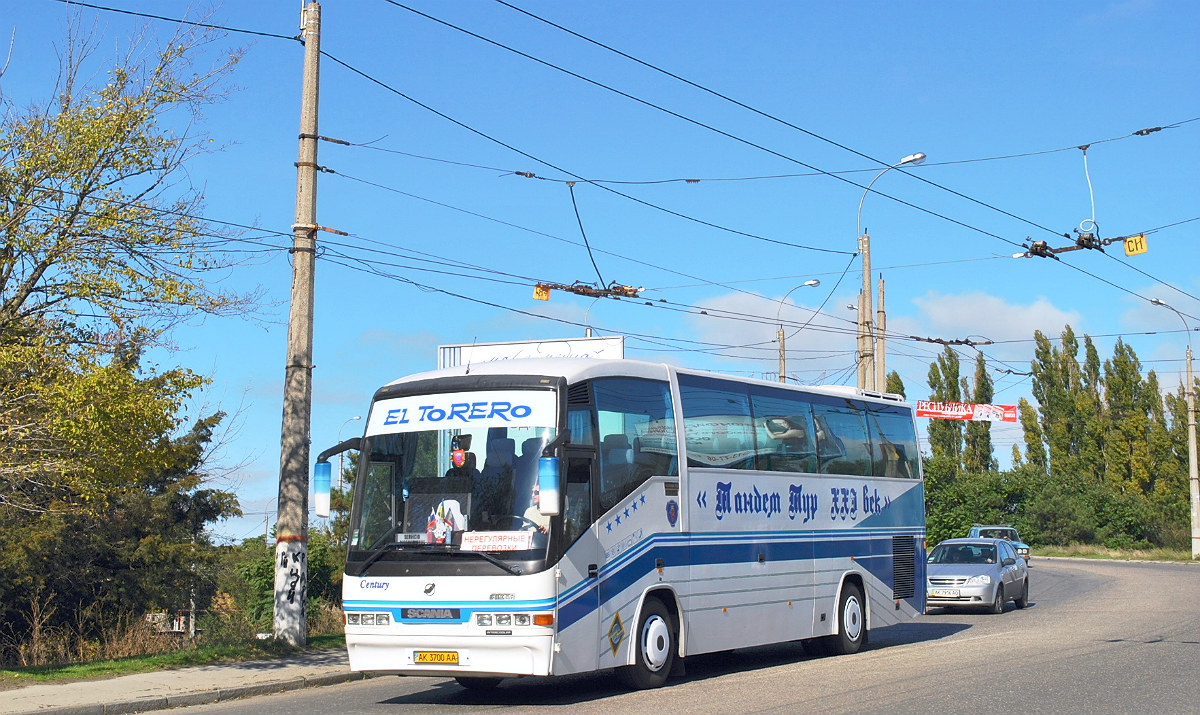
[578, 602]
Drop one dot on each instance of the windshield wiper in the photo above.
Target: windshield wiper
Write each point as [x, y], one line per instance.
[514, 570]
[375, 556]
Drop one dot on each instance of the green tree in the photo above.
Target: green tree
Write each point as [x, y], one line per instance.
[67, 576]
[945, 436]
[1035, 447]
[98, 240]
[895, 385]
[103, 500]
[977, 444]
[1126, 424]
[101, 254]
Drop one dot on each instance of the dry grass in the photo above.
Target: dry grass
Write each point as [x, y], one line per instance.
[1085, 551]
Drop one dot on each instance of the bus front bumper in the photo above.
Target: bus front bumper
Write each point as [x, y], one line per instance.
[483, 655]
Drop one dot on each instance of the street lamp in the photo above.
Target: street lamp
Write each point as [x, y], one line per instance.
[782, 352]
[868, 375]
[341, 454]
[1193, 476]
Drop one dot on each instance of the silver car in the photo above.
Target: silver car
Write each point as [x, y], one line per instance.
[980, 573]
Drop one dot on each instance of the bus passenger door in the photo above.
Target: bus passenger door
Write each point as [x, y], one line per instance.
[578, 595]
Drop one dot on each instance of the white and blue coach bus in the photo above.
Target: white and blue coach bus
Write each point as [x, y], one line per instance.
[555, 516]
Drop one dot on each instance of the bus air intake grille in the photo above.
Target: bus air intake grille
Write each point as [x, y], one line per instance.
[904, 567]
[578, 394]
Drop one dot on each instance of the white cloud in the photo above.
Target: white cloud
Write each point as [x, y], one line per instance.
[980, 316]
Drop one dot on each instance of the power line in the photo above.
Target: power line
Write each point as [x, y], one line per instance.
[180, 21]
[879, 162]
[527, 155]
[728, 135]
[726, 285]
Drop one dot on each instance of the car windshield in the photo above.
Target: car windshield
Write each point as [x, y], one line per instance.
[963, 554]
[1009, 534]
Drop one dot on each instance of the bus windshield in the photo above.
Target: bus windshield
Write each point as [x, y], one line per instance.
[471, 487]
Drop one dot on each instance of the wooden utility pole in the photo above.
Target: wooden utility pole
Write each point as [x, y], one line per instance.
[291, 527]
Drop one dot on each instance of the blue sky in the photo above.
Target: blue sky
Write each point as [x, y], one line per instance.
[999, 96]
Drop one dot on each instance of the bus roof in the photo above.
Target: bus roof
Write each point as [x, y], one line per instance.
[577, 369]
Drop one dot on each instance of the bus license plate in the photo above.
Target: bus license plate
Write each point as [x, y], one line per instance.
[945, 593]
[437, 657]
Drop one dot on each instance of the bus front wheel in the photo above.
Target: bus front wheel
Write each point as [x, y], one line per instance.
[653, 648]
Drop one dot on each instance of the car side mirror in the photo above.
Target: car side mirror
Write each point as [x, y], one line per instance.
[1009, 561]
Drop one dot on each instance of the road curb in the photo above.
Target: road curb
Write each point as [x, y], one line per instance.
[200, 697]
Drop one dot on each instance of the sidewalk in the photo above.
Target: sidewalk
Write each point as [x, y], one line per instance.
[183, 686]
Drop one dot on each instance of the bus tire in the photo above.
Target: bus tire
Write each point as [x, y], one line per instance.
[852, 622]
[654, 645]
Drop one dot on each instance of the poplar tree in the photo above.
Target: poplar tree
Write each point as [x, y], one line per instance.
[1035, 441]
[945, 436]
[1126, 424]
[977, 446]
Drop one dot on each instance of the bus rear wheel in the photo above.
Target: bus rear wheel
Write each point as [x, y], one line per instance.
[654, 645]
[852, 623]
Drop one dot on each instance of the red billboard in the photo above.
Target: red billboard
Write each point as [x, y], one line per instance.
[966, 411]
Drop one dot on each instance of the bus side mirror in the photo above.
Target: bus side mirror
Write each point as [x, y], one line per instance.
[321, 477]
[549, 472]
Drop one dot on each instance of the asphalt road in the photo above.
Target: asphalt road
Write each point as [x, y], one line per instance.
[1097, 638]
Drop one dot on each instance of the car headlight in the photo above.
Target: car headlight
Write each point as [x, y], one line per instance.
[980, 580]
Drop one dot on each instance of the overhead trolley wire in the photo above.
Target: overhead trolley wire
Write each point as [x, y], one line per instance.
[723, 133]
[647, 264]
[527, 155]
[766, 115]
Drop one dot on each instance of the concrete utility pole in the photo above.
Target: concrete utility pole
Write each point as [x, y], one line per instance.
[871, 375]
[291, 527]
[1193, 474]
[1193, 471]
[880, 356]
[866, 336]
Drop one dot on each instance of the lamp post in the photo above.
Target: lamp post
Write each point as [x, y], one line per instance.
[782, 351]
[867, 373]
[341, 454]
[1193, 476]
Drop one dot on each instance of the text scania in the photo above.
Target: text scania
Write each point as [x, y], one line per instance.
[459, 411]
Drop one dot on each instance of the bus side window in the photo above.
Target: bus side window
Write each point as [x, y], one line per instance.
[894, 441]
[637, 435]
[784, 436]
[842, 441]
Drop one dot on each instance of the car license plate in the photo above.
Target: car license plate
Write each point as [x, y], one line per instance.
[945, 593]
[438, 657]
